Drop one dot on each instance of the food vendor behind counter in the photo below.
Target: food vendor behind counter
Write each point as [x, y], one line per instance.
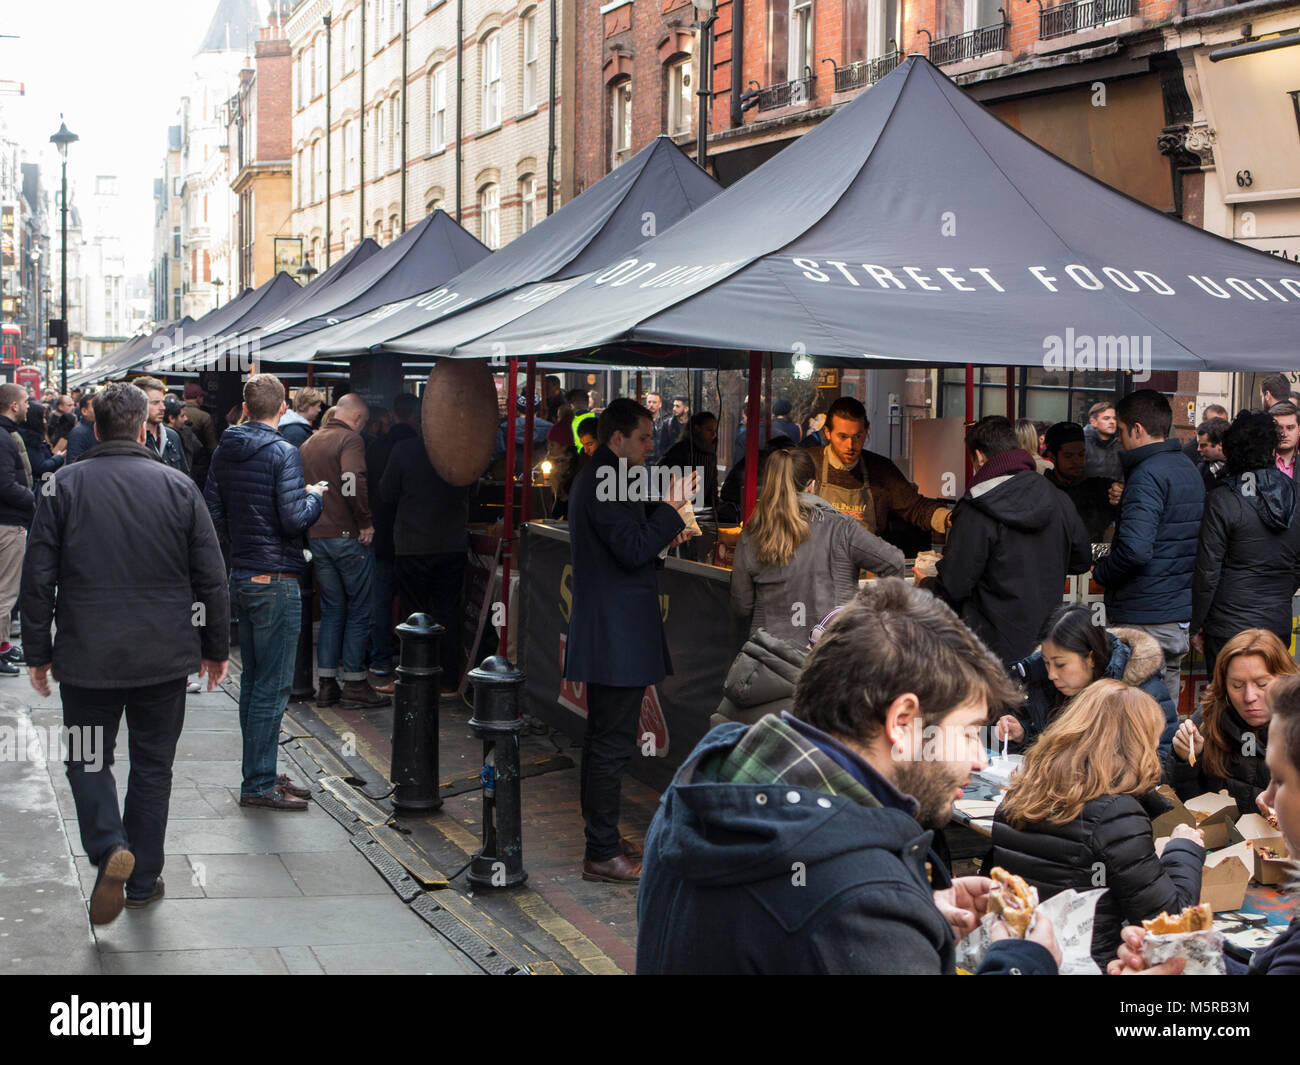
[870, 486]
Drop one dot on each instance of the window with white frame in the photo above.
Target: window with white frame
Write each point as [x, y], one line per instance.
[489, 214]
[380, 141]
[317, 171]
[620, 117]
[395, 133]
[883, 27]
[346, 242]
[680, 96]
[318, 66]
[381, 24]
[302, 178]
[801, 39]
[351, 169]
[527, 203]
[394, 17]
[438, 109]
[490, 68]
[393, 229]
[350, 51]
[528, 33]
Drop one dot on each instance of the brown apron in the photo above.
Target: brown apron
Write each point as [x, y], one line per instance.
[853, 501]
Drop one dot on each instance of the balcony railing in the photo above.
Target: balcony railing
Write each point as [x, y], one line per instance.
[787, 93]
[969, 45]
[1064, 19]
[866, 71]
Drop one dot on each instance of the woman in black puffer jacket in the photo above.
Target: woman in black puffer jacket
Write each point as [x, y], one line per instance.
[1078, 815]
[1230, 730]
[42, 457]
[1248, 555]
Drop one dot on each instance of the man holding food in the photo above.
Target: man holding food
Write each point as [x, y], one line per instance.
[796, 844]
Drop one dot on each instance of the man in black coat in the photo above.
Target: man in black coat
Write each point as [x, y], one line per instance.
[82, 437]
[141, 604]
[17, 504]
[159, 438]
[1104, 448]
[1095, 498]
[1014, 538]
[616, 642]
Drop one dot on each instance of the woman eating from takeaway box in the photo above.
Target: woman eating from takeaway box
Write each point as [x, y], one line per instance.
[1082, 805]
[1281, 800]
[1230, 730]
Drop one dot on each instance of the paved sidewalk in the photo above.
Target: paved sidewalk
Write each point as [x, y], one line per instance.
[248, 891]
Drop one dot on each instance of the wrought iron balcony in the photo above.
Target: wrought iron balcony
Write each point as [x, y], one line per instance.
[865, 72]
[784, 94]
[968, 45]
[1064, 19]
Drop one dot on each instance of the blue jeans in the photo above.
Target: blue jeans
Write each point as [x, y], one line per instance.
[381, 631]
[345, 574]
[270, 616]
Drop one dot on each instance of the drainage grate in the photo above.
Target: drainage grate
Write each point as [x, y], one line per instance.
[471, 944]
[340, 813]
[389, 867]
[411, 857]
[322, 756]
[364, 809]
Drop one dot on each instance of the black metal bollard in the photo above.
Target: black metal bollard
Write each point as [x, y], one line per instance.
[415, 716]
[303, 657]
[496, 721]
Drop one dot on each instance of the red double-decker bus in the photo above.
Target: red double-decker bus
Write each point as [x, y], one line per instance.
[9, 338]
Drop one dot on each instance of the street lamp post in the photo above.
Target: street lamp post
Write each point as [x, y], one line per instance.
[217, 283]
[62, 139]
[306, 271]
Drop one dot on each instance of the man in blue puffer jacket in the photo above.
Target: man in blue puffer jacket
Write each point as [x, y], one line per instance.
[1148, 573]
[255, 494]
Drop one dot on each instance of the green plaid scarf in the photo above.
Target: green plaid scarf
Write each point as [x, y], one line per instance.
[772, 752]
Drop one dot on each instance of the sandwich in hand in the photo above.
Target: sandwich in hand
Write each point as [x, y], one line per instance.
[1015, 900]
[1193, 919]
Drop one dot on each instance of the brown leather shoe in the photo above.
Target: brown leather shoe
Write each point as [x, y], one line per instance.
[109, 895]
[328, 694]
[631, 849]
[618, 870]
[387, 688]
[285, 783]
[275, 799]
[159, 891]
[358, 695]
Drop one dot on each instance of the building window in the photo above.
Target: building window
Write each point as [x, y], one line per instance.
[527, 203]
[490, 60]
[317, 171]
[380, 140]
[489, 213]
[350, 43]
[853, 29]
[395, 136]
[393, 227]
[301, 184]
[176, 242]
[318, 66]
[438, 109]
[351, 172]
[379, 231]
[346, 243]
[801, 38]
[381, 25]
[883, 29]
[778, 41]
[620, 115]
[679, 96]
[315, 252]
[528, 31]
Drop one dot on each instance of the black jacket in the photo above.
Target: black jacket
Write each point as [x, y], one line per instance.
[1091, 498]
[1013, 540]
[1103, 456]
[383, 511]
[616, 631]
[1246, 774]
[256, 495]
[1248, 556]
[17, 503]
[1282, 956]
[746, 876]
[172, 450]
[1108, 845]
[129, 546]
[80, 440]
[1135, 658]
[39, 454]
[686, 454]
[429, 515]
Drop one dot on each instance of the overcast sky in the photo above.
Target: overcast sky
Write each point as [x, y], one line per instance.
[116, 69]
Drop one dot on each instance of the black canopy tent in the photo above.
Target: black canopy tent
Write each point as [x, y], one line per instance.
[434, 250]
[653, 190]
[133, 353]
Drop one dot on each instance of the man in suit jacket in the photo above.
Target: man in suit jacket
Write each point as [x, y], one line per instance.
[616, 642]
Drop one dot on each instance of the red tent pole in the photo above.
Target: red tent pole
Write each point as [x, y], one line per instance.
[508, 522]
[526, 507]
[970, 411]
[751, 436]
[767, 408]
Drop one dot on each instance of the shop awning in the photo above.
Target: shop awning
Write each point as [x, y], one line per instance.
[132, 354]
[653, 190]
[432, 251]
[914, 226]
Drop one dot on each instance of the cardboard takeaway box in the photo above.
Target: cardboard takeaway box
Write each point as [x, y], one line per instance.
[1255, 831]
[1213, 813]
[1225, 876]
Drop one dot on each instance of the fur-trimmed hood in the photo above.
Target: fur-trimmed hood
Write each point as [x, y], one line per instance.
[1143, 661]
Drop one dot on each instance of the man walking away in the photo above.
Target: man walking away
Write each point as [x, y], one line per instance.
[82, 437]
[341, 554]
[1103, 443]
[1288, 435]
[1014, 538]
[161, 440]
[616, 641]
[1148, 572]
[17, 504]
[141, 604]
[256, 497]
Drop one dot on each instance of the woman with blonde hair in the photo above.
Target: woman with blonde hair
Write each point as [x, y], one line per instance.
[1230, 730]
[1078, 814]
[798, 557]
[1028, 438]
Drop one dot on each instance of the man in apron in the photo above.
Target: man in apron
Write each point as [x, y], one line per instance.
[869, 486]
